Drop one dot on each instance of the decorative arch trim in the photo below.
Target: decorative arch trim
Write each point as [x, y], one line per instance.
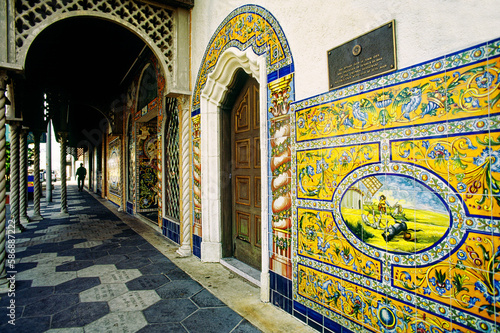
[214, 93]
[249, 26]
[32, 18]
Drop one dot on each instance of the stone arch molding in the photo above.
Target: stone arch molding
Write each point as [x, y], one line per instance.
[211, 99]
[154, 25]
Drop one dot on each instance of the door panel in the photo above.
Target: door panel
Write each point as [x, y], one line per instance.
[245, 180]
[243, 154]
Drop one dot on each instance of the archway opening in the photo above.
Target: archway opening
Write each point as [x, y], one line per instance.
[80, 64]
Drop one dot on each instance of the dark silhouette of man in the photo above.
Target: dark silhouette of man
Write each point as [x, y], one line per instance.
[81, 172]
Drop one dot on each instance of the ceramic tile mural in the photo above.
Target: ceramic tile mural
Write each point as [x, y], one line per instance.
[281, 94]
[196, 176]
[248, 26]
[147, 145]
[145, 157]
[395, 198]
[114, 170]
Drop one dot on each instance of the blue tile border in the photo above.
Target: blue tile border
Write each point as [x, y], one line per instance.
[130, 208]
[171, 230]
[197, 246]
[281, 292]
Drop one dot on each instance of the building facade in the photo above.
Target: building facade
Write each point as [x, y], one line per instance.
[373, 206]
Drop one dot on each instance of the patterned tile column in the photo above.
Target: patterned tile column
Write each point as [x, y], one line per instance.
[23, 175]
[14, 174]
[64, 202]
[3, 254]
[185, 249]
[36, 171]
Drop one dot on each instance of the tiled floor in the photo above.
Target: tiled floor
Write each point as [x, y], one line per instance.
[91, 272]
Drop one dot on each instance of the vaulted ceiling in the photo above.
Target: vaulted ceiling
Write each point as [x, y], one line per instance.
[80, 64]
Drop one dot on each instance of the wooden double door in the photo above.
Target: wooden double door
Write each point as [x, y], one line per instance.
[245, 176]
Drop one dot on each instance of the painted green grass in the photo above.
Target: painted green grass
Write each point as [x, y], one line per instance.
[425, 229]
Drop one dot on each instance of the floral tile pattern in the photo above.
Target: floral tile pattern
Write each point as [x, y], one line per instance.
[395, 205]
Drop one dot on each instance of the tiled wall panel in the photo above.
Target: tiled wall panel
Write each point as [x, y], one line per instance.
[396, 200]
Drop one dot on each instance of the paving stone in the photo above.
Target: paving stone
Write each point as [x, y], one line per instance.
[106, 247]
[29, 253]
[134, 300]
[77, 285]
[147, 282]
[91, 255]
[143, 254]
[160, 258]
[73, 252]
[80, 314]
[75, 242]
[96, 270]
[88, 245]
[120, 276]
[22, 284]
[205, 299]
[179, 289]
[39, 258]
[178, 274]
[117, 322]
[57, 249]
[134, 242]
[163, 328]
[213, 320]
[53, 279]
[103, 277]
[103, 292]
[31, 295]
[56, 261]
[152, 269]
[170, 310]
[123, 250]
[132, 263]
[21, 267]
[246, 327]
[50, 305]
[66, 330]
[27, 325]
[41, 246]
[110, 259]
[74, 265]
[4, 311]
[147, 246]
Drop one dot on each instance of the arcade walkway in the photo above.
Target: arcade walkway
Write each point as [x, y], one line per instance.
[99, 271]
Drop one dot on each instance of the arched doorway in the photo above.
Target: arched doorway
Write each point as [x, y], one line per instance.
[240, 167]
[232, 67]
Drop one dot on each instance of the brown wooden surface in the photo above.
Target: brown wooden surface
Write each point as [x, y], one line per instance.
[245, 179]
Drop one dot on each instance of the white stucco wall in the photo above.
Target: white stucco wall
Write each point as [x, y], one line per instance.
[425, 29]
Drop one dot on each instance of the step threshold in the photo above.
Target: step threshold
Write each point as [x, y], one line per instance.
[247, 272]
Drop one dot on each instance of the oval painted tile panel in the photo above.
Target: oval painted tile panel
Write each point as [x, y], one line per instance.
[394, 213]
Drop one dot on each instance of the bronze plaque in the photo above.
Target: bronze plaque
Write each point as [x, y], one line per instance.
[366, 56]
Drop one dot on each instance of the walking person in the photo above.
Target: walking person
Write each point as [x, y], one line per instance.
[81, 172]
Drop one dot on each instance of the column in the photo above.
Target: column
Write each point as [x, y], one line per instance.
[37, 186]
[64, 202]
[48, 167]
[185, 131]
[23, 173]
[15, 128]
[3, 182]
